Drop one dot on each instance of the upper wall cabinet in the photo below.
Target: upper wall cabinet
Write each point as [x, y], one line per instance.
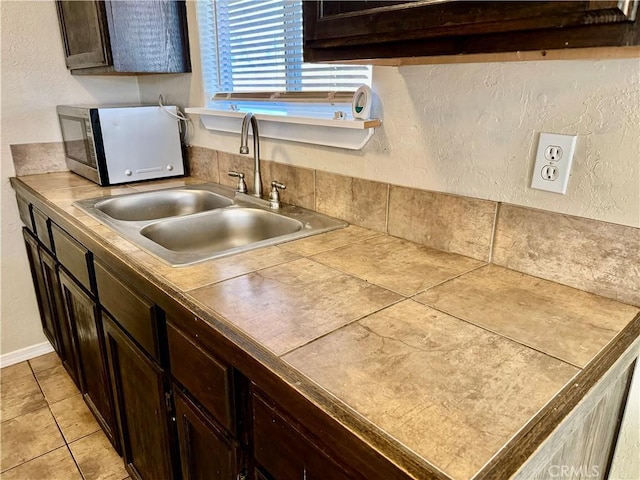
[147, 36]
[361, 30]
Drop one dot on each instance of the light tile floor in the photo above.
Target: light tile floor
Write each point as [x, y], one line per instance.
[47, 431]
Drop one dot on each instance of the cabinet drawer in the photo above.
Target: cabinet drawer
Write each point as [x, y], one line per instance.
[24, 210]
[284, 452]
[135, 313]
[41, 224]
[71, 254]
[207, 379]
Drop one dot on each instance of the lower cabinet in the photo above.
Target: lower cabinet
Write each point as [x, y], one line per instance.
[205, 452]
[66, 343]
[42, 296]
[82, 313]
[282, 451]
[143, 406]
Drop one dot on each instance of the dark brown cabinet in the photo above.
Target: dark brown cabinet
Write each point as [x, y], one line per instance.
[65, 340]
[133, 329]
[356, 30]
[282, 451]
[42, 295]
[206, 453]
[145, 36]
[142, 405]
[82, 313]
[208, 411]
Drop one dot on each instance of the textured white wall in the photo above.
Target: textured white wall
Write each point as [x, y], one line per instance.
[472, 129]
[34, 81]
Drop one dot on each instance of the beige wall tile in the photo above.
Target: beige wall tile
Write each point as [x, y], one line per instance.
[361, 202]
[14, 372]
[561, 321]
[297, 302]
[34, 158]
[74, 418]
[453, 392]
[329, 241]
[56, 384]
[447, 222]
[299, 181]
[28, 436]
[238, 163]
[399, 265]
[20, 396]
[598, 257]
[97, 459]
[203, 163]
[45, 362]
[55, 465]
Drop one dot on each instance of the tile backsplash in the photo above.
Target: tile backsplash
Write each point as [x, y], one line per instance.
[34, 158]
[590, 255]
[598, 257]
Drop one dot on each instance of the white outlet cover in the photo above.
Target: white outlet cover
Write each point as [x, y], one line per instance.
[568, 145]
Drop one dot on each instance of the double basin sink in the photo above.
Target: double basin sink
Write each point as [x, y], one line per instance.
[194, 223]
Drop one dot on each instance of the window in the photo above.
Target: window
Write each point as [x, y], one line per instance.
[256, 46]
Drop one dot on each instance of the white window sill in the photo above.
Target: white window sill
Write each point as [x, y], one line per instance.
[297, 122]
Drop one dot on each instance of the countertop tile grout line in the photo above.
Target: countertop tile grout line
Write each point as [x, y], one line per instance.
[507, 337]
[362, 317]
[351, 274]
[374, 234]
[215, 282]
[448, 280]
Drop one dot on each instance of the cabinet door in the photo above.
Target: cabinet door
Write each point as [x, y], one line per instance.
[84, 33]
[66, 343]
[285, 453]
[205, 453]
[81, 312]
[141, 406]
[380, 29]
[46, 313]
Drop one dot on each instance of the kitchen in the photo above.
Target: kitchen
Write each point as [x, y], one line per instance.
[468, 129]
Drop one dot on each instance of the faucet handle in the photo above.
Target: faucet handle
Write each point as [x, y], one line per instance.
[274, 196]
[241, 187]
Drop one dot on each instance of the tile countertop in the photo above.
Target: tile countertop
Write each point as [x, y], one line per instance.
[451, 357]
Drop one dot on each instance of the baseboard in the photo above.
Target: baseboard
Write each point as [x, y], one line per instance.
[23, 354]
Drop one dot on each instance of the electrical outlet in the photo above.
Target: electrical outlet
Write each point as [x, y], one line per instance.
[553, 162]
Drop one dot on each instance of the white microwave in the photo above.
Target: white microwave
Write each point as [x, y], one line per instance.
[113, 145]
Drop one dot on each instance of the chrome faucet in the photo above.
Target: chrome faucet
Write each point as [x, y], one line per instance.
[274, 196]
[244, 149]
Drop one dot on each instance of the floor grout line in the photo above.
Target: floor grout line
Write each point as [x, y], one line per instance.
[66, 444]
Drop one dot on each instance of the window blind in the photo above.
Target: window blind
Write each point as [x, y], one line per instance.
[256, 45]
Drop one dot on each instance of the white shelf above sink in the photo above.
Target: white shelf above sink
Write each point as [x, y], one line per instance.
[308, 119]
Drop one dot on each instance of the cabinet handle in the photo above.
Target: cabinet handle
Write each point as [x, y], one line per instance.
[168, 402]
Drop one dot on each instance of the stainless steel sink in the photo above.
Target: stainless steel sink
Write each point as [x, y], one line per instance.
[220, 230]
[186, 225]
[161, 204]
